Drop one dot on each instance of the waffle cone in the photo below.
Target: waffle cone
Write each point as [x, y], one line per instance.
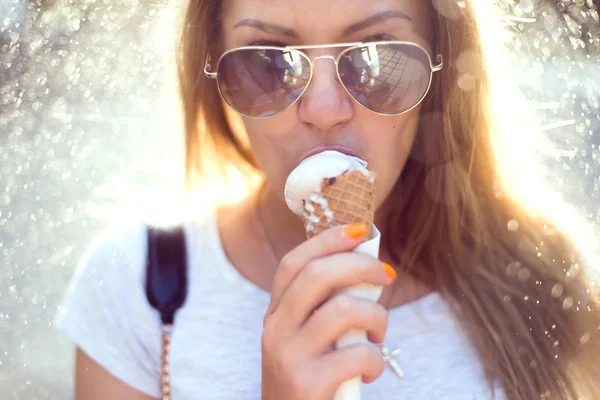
[349, 198]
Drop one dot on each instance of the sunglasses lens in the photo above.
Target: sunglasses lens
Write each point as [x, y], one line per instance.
[262, 82]
[386, 78]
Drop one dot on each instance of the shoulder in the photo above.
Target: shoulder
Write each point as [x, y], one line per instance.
[114, 262]
[121, 246]
[110, 271]
[105, 312]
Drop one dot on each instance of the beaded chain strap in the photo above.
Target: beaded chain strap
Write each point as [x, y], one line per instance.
[164, 375]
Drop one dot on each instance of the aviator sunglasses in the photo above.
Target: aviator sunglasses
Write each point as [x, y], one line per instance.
[387, 77]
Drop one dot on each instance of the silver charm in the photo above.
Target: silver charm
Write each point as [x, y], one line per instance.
[390, 359]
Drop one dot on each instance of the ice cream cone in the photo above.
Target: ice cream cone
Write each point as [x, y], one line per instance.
[329, 189]
[345, 199]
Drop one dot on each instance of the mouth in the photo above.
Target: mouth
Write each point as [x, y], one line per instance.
[344, 150]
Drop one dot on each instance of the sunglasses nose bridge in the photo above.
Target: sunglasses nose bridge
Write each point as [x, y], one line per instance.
[326, 57]
[332, 58]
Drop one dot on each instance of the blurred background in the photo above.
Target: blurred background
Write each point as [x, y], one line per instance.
[89, 133]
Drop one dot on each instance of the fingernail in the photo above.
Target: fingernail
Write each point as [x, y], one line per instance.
[356, 230]
[389, 270]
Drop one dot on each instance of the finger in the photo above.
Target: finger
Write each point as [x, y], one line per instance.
[337, 239]
[336, 317]
[321, 278]
[341, 365]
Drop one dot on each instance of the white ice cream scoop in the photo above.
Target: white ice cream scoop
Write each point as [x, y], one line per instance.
[306, 178]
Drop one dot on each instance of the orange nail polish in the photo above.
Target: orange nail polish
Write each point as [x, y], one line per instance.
[389, 270]
[356, 230]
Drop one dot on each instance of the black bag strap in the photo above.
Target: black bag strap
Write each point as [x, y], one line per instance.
[166, 286]
[166, 271]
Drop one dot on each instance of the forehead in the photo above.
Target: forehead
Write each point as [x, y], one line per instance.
[326, 21]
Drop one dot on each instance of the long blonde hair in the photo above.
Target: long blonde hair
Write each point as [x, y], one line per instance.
[523, 298]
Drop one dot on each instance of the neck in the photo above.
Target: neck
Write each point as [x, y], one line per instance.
[283, 228]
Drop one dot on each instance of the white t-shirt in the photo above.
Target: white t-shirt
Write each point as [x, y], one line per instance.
[216, 342]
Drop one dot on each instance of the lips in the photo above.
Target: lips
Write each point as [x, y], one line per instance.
[344, 150]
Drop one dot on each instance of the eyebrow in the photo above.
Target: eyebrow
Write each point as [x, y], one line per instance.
[374, 20]
[267, 27]
[359, 26]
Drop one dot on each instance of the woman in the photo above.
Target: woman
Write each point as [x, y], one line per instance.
[478, 311]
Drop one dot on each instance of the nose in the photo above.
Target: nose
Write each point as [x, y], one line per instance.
[325, 105]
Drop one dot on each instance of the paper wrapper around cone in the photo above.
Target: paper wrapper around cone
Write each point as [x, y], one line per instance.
[350, 390]
[342, 200]
[349, 198]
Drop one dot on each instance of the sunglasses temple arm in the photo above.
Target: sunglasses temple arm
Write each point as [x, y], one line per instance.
[207, 66]
[439, 65]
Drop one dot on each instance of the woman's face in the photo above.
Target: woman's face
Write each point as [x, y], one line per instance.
[326, 115]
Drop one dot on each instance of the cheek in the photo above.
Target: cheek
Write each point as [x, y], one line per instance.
[261, 139]
[406, 131]
[391, 147]
[394, 138]
[276, 130]
[272, 142]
